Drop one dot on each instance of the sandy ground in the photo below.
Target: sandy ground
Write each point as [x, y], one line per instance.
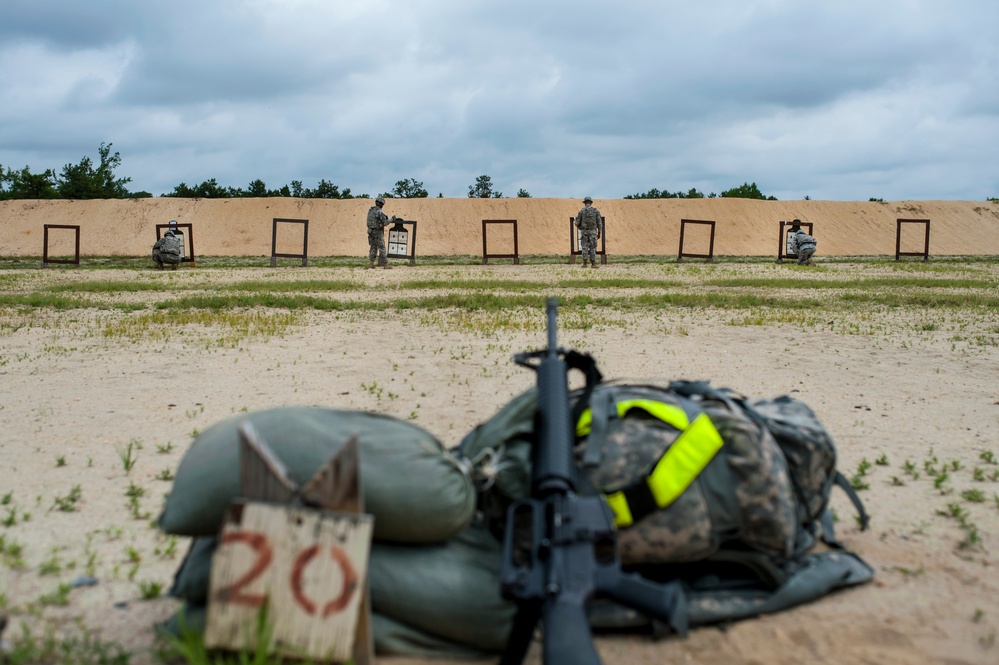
[77, 386]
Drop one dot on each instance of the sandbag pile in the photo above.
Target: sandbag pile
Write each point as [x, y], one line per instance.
[422, 500]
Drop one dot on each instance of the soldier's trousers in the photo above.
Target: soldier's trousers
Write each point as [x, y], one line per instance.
[588, 245]
[376, 246]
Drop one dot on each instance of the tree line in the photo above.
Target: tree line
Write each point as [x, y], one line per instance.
[87, 180]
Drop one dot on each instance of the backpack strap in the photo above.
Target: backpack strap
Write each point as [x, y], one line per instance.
[603, 408]
[828, 531]
[674, 471]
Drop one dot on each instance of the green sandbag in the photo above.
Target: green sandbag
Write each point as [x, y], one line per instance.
[450, 591]
[192, 579]
[395, 638]
[411, 483]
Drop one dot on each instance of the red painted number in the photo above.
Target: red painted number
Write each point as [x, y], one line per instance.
[235, 595]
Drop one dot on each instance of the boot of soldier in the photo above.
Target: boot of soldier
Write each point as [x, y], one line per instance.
[385, 266]
[371, 264]
[584, 263]
[593, 264]
[173, 266]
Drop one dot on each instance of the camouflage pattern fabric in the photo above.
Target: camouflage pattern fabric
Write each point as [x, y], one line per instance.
[810, 451]
[588, 223]
[376, 223]
[168, 249]
[749, 465]
[744, 496]
[804, 246]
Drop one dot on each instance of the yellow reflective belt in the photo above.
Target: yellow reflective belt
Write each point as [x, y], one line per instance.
[668, 413]
[677, 468]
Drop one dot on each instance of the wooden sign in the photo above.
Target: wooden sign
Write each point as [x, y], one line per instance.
[298, 553]
[309, 568]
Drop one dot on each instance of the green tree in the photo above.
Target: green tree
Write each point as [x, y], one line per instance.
[83, 181]
[523, 193]
[24, 184]
[410, 188]
[256, 188]
[327, 190]
[654, 193]
[747, 191]
[209, 189]
[483, 189]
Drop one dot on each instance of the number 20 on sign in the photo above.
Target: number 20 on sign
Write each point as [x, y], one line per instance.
[308, 566]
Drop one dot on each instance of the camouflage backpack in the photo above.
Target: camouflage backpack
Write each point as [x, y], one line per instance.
[725, 493]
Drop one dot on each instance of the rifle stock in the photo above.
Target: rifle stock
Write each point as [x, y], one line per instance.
[560, 549]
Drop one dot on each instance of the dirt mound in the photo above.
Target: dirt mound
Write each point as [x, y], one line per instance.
[743, 227]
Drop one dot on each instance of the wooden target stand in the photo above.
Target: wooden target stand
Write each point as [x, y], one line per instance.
[574, 247]
[898, 239]
[485, 241]
[710, 256]
[782, 238]
[298, 554]
[305, 241]
[46, 261]
[402, 241]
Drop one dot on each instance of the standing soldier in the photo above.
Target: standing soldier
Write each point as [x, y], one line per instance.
[588, 221]
[377, 221]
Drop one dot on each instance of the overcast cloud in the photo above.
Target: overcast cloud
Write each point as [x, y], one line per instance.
[831, 99]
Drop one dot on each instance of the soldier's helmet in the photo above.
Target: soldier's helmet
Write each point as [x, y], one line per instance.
[587, 200]
[380, 200]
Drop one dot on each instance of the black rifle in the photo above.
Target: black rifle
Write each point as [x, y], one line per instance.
[571, 555]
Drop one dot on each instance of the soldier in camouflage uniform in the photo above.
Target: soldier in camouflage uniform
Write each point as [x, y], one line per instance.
[169, 249]
[801, 244]
[588, 221]
[377, 221]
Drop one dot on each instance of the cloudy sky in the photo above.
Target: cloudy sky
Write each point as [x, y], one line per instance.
[830, 99]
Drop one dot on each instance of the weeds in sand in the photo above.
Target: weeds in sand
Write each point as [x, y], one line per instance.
[164, 448]
[128, 453]
[169, 551]
[6, 499]
[52, 565]
[149, 590]
[910, 572]
[974, 496]
[882, 460]
[857, 481]
[59, 597]
[988, 457]
[61, 460]
[11, 553]
[86, 648]
[190, 647]
[165, 474]
[68, 503]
